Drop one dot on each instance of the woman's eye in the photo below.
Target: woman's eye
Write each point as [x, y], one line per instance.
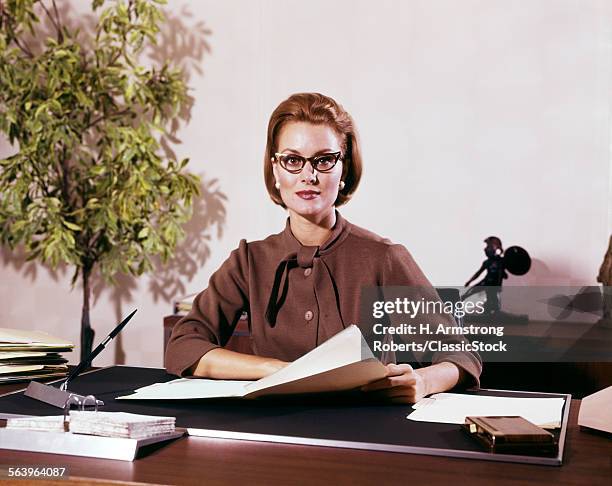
[294, 161]
[325, 162]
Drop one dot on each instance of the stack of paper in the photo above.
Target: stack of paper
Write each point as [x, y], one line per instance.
[22, 358]
[452, 408]
[120, 424]
[105, 424]
[25, 355]
[53, 423]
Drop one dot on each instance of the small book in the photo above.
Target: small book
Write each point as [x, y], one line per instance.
[510, 435]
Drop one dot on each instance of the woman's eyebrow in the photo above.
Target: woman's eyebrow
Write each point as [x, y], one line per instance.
[326, 151]
[318, 152]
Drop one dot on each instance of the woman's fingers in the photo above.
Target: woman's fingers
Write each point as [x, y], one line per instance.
[389, 382]
[401, 385]
[407, 378]
[396, 370]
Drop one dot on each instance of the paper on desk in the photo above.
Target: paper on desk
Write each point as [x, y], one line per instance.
[452, 408]
[10, 369]
[8, 355]
[341, 363]
[190, 388]
[53, 423]
[12, 337]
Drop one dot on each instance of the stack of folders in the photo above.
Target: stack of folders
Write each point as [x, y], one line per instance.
[27, 355]
[105, 424]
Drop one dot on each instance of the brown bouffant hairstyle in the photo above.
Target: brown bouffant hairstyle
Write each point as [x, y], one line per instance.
[317, 109]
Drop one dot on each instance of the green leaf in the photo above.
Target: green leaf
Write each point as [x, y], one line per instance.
[72, 226]
[91, 184]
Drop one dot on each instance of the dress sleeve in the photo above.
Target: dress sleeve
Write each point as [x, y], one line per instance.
[401, 270]
[213, 316]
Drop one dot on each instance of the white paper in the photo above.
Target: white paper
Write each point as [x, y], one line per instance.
[6, 355]
[53, 423]
[340, 350]
[11, 337]
[452, 408]
[106, 424]
[341, 363]
[190, 388]
[8, 369]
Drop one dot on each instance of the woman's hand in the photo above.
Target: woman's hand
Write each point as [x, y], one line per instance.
[406, 385]
[402, 384]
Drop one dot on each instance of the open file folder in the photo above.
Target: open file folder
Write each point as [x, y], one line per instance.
[344, 362]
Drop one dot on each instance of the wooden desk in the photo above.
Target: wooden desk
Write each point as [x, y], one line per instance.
[195, 460]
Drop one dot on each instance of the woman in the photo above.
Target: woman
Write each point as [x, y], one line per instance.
[302, 286]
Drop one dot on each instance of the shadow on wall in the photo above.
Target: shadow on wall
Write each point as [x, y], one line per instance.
[552, 274]
[182, 42]
[16, 259]
[167, 282]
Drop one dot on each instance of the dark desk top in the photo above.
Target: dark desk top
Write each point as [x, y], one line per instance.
[588, 460]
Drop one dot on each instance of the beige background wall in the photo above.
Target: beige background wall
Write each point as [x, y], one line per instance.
[477, 117]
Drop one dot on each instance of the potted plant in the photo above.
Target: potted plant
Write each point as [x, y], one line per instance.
[89, 185]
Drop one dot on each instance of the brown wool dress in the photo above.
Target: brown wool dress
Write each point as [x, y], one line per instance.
[298, 296]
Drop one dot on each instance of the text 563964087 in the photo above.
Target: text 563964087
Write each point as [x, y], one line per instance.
[33, 471]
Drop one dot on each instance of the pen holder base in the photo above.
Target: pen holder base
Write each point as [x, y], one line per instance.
[51, 395]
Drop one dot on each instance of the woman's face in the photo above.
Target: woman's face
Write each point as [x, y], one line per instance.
[309, 193]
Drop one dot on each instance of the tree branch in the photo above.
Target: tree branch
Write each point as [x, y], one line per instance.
[65, 180]
[40, 178]
[57, 17]
[24, 48]
[13, 35]
[93, 243]
[55, 24]
[95, 121]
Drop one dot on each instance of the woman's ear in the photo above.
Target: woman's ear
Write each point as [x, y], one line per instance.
[345, 167]
[275, 172]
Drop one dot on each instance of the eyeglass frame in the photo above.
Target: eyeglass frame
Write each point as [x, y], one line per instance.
[308, 159]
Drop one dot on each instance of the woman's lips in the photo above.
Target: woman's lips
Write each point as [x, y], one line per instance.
[307, 194]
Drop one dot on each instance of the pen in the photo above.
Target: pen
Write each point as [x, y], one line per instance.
[83, 364]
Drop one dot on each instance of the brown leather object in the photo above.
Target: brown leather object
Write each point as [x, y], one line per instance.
[510, 434]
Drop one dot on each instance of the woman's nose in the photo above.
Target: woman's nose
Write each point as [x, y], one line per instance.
[309, 173]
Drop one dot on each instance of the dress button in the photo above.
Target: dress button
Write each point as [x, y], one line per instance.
[307, 272]
[308, 316]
